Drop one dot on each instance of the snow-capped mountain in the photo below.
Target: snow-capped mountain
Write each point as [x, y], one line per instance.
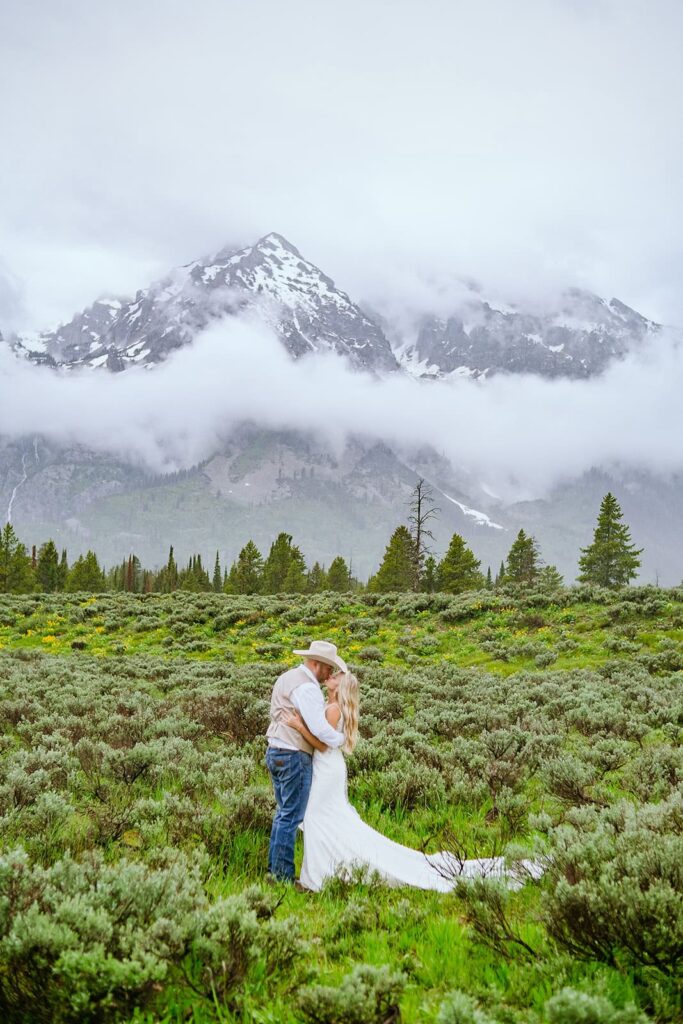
[271, 277]
[578, 337]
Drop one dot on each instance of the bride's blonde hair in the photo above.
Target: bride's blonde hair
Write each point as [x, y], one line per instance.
[347, 699]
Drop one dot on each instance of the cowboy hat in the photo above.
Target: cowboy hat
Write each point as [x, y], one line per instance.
[323, 650]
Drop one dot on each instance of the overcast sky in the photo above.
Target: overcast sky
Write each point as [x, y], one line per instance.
[529, 144]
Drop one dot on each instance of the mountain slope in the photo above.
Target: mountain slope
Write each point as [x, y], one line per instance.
[578, 338]
[257, 485]
[296, 299]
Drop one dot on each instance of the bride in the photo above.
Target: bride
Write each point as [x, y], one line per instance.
[336, 839]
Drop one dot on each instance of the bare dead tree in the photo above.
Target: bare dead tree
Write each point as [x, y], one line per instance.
[422, 511]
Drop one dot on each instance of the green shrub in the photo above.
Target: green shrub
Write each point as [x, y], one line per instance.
[617, 887]
[459, 1008]
[370, 654]
[572, 1007]
[368, 995]
[88, 942]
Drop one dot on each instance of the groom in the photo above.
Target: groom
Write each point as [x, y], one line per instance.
[289, 757]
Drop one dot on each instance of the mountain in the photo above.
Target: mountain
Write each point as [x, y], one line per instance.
[578, 337]
[296, 299]
[259, 483]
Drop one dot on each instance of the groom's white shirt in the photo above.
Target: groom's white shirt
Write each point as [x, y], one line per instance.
[309, 701]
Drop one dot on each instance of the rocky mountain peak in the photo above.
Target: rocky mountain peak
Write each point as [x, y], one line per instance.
[577, 335]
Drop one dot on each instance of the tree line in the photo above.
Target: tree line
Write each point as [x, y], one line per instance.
[408, 564]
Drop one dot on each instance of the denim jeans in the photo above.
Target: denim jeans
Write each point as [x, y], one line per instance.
[291, 772]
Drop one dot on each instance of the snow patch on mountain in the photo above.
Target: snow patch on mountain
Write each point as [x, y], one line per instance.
[576, 335]
[480, 518]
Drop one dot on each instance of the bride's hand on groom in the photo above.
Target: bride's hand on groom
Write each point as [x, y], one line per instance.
[295, 721]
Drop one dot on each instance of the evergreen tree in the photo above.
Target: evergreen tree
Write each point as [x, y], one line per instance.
[86, 575]
[612, 559]
[167, 577]
[284, 567]
[15, 564]
[295, 580]
[523, 562]
[194, 578]
[397, 571]
[459, 569]
[246, 573]
[500, 575]
[339, 576]
[550, 578]
[430, 576]
[489, 580]
[217, 582]
[47, 568]
[317, 579]
[63, 570]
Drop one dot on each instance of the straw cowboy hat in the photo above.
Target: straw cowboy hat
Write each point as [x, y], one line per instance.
[323, 650]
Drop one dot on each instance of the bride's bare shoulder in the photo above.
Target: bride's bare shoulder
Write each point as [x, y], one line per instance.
[333, 713]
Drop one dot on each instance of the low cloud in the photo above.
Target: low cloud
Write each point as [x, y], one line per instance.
[517, 435]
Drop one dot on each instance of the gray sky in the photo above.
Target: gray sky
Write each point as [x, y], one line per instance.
[530, 145]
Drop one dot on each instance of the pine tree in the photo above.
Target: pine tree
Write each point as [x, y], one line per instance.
[130, 575]
[47, 567]
[458, 571]
[63, 570]
[612, 559]
[430, 576]
[15, 564]
[246, 573]
[489, 580]
[295, 580]
[217, 582]
[397, 571]
[167, 577]
[523, 562]
[500, 575]
[195, 578]
[283, 557]
[85, 575]
[316, 581]
[339, 576]
[550, 578]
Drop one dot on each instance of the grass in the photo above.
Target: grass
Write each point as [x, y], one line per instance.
[55, 624]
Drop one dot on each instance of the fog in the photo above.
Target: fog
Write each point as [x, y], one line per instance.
[178, 413]
[531, 145]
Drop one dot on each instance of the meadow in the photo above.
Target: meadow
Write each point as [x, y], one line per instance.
[135, 809]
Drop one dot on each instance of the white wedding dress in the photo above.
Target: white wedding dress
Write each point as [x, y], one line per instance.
[336, 840]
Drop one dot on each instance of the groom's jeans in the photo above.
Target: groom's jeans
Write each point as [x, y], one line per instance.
[291, 772]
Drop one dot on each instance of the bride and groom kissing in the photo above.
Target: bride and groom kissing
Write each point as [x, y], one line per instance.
[307, 741]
